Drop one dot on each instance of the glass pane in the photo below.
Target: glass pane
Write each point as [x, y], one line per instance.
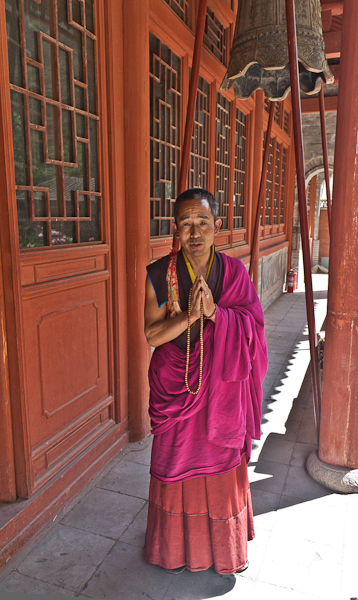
[40, 204]
[76, 12]
[79, 97]
[65, 77]
[94, 163]
[90, 230]
[76, 177]
[35, 111]
[83, 202]
[37, 17]
[44, 175]
[49, 66]
[18, 132]
[53, 134]
[13, 32]
[70, 204]
[31, 234]
[63, 233]
[80, 126]
[91, 76]
[89, 16]
[67, 136]
[71, 37]
[33, 76]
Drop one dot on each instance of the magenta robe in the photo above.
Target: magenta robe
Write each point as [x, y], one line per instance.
[207, 433]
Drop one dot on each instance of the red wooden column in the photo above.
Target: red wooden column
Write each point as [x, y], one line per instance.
[339, 423]
[257, 159]
[137, 190]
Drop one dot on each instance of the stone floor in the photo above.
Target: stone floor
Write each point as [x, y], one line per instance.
[306, 537]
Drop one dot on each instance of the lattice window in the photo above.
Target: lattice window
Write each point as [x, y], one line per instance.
[239, 170]
[266, 104]
[215, 36]
[276, 113]
[223, 107]
[53, 97]
[286, 120]
[180, 7]
[199, 155]
[283, 185]
[276, 193]
[165, 91]
[269, 181]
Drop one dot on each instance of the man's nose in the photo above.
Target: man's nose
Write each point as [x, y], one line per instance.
[194, 231]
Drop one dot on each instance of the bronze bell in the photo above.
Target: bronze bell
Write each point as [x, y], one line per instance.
[259, 53]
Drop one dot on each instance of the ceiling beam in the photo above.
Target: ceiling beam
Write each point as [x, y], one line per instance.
[311, 105]
[336, 7]
[332, 41]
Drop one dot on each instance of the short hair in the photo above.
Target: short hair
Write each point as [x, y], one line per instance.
[196, 194]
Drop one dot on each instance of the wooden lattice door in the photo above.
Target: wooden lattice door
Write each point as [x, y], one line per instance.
[60, 178]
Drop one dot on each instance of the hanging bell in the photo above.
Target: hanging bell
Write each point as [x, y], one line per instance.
[259, 54]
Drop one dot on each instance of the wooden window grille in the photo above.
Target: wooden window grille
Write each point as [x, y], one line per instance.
[283, 185]
[180, 7]
[266, 104]
[215, 37]
[276, 194]
[199, 155]
[269, 183]
[165, 94]
[239, 170]
[286, 118]
[276, 113]
[52, 69]
[222, 162]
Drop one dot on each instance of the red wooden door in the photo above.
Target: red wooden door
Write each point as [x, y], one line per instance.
[61, 205]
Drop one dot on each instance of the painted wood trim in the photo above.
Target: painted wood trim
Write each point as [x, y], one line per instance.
[7, 461]
[116, 165]
[11, 278]
[137, 194]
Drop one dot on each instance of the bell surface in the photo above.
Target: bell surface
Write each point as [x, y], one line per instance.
[259, 55]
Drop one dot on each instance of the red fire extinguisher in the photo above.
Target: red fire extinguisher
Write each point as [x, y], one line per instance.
[291, 282]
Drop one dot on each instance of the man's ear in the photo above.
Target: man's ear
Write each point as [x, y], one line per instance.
[217, 225]
[175, 230]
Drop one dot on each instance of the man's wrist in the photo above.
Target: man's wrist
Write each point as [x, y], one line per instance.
[213, 313]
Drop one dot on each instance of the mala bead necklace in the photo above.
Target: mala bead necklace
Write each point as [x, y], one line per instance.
[188, 347]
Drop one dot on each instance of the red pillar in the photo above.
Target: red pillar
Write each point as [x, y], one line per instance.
[137, 190]
[339, 423]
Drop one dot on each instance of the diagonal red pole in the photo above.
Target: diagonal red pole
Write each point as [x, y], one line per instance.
[300, 168]
[255, 238]
[194, 79]
[325, 154]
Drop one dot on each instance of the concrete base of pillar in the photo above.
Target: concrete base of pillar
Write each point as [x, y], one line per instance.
[338, 479]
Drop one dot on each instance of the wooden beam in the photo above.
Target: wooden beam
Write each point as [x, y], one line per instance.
[335, 72]
[332, 42]
[311, 105]
[326, 20]
[336, 7]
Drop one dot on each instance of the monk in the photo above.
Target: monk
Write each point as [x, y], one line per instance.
[205, 321]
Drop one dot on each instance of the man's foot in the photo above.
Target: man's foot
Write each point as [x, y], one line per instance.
[243, 568]
[176, 571]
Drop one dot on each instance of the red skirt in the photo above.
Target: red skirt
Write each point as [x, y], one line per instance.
[201, 522]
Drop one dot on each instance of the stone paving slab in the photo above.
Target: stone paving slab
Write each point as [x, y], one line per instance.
[105, 513]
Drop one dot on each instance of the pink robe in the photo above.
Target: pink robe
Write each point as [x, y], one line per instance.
[207, 433]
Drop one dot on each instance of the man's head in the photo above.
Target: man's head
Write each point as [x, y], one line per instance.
[196, 222]
[196, 194]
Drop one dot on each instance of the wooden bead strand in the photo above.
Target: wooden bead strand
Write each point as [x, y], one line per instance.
[201, 347]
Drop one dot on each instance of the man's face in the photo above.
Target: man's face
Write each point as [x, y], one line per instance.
[196, 227]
